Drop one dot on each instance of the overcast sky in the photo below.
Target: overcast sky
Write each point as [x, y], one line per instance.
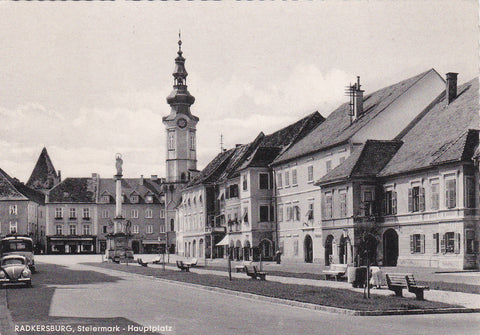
[90, 79]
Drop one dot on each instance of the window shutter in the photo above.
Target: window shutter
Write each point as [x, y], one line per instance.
[457, 243]
[422, 243]
[412, 245]
[422, 199]
[394, 202]
[272, 213]
[442, 244]
[385, 205]
[475, 246]
[453, 195]
[410, 200]
[434, 243]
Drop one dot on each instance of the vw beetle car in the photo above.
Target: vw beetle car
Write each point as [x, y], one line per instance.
[14, 270]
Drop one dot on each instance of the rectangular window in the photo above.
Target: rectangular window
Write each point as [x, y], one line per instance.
[135, 229]
[104, 229]
[310, 212]
[436, 243]
[296, 213]
[149, 229]
[417, 244]
[343, 203]
[295, 247]
[162, 214]
[59, 229]
[469, 192]
[289, 213]
[171, 140]
[470, 242]
[390, 203]
[434, 195]
[328, 206]
[105, 214]
[134, 214]
[13, 210]
[451, 243]
[106, 199]
[294, 177]
[263, 181]
[86, 229]
[73, 213]
[58, 213]
[280, 213]
[148, 213]
[279, 180]
[234, 191]
[451, 193]
[264, 213]
[368, 203]
[310, 173]
[287, 178]
[192, 141]
[86, 213]
[416, 199]
[73, 229]
[328, 166]
[245, 183]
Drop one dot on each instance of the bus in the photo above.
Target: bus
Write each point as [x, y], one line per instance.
[18, 245]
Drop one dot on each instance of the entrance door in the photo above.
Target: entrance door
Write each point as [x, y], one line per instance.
[308, 247]
[390, 248]
[328, 249]
[136, 247]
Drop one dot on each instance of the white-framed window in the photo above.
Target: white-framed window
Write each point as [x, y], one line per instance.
[59, 229]
[134, 199]
[469, 192]
[134, 213]
[342, 199]
[450, 243]
[192, 141]
[294, 177]
[58, 212]
[296, 212]
[13, 227]
[148, 213]
[162, 228]
[328, 205]
[328, 166]
[416, 199]
[86, 229]
[310, 173]
[149, 199]
[279, 180]
[434, 194]
[245, 182]
[287, 178]
[106, 199]
[73, 229]
[280, 213]
[73, 213]
[289, 212]
[263, 181]
[149, 229]
[13, 210]
[390, 202]
[86, 213]
[105, 213]
[450, 192]
[171, 140]
[417, 244]
[310, 212]
[135, 229]
[162, 214]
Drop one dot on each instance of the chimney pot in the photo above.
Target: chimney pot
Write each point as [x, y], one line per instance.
[451, 89]
[358, 99]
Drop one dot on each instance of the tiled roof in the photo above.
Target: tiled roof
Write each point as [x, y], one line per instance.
[132, 186]
[43, 175]
[74, 190]
[13, 189]
[206, 176]
[442, 135]
[366, 160]
[337, 128]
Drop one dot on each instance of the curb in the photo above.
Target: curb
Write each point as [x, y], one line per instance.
[6, 321]
[306, 305]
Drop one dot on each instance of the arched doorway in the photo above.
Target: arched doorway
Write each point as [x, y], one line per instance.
[246, 251]
[136, 247]
[194, 248]
[266, 249]
[328, 249]
[390, 248]
[200, 248]
[238, 250]
[308, 249]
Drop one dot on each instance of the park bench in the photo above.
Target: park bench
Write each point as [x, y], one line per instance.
[182, 266]
[142, 263]
[192, 263]
[398, 281]
[252, 271]
[336, 271]
[241, 267]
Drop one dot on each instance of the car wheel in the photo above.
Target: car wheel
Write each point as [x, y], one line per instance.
[29, 283]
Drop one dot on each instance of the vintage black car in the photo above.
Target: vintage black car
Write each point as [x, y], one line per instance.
[14, 270]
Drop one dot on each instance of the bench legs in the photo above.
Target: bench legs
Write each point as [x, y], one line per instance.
[398, 292]
[419, 294]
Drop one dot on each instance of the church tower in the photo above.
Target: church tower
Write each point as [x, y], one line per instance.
[181, 158]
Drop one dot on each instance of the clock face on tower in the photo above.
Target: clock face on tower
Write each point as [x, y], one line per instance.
[182, 123]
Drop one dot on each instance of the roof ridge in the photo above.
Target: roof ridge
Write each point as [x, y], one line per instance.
[448, 146]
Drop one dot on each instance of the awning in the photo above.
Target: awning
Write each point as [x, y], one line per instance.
[224, 241]
[150, 242]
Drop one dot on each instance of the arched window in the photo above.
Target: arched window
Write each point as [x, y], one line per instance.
[172, 225]
[183, 176]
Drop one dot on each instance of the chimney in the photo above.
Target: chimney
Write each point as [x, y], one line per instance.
[141, 179]
[154, 177]
[358, 99]
[451, 88]
[59, 176]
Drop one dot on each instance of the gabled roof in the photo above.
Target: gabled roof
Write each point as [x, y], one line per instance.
[444, 134]
[73, 190]
[13, 189]
[207, 175]
[365, 161]
[337, 128]
[132, 186]
[43, 175]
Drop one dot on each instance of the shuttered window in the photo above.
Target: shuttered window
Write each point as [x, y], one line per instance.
[451, 193]
[417, 244]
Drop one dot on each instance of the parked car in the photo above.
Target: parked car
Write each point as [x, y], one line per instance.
[14, 270]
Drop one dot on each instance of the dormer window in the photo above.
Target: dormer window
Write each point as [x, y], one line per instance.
[106, 198]
[149, 199]
[134, 199]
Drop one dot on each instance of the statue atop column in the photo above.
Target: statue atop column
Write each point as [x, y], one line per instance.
[118, 164]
